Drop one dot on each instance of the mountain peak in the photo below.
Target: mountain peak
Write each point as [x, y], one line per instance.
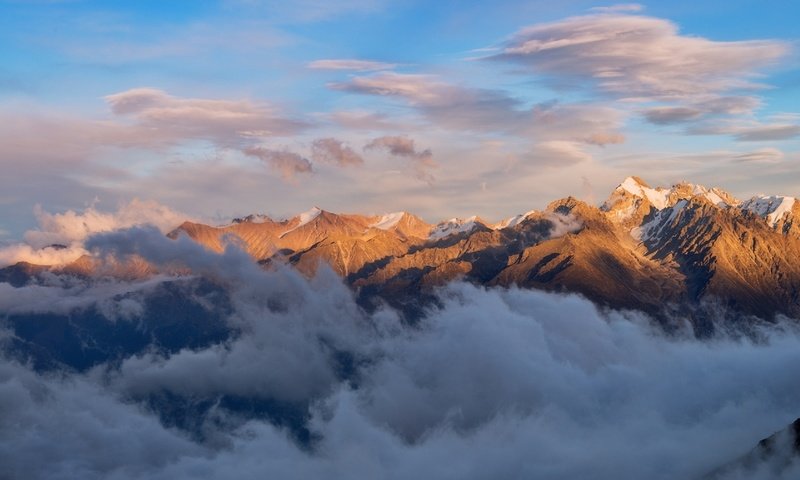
[634, 180]
[773, 208]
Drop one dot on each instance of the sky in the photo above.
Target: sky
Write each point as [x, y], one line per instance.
[447, 108]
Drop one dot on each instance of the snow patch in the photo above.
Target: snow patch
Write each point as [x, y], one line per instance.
[513, 221]
[452, 227]
[388, 221]
[710, 194]
[660, 220]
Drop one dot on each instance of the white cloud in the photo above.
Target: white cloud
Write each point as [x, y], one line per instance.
[633, 56]
[60, 236]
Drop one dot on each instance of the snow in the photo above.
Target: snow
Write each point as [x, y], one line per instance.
[513, 221]
[709, 194]
[659, 221]
[304, 218]
[657, 197]
[388, 221]
[308, 216]
[772, 208]
[452, 227]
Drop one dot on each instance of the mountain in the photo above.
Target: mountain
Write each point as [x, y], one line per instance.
[685, 251]
[772, 457]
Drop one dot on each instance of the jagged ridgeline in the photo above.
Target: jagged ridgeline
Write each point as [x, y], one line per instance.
[678, 252]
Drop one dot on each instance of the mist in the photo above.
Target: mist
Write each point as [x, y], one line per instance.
[491, 383]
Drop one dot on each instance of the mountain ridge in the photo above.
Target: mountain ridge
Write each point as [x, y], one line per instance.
[681, 249]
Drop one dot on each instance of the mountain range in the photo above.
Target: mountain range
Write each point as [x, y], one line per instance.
[686, 251]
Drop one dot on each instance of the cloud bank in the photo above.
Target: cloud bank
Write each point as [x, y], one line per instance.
[494, 383]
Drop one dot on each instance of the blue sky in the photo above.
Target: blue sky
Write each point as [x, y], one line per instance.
[442, 108]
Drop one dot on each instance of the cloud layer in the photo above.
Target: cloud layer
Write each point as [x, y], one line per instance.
[494, 383]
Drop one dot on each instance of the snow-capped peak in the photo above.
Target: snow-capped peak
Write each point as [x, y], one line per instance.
[308, 216]
[388, 221]
[452, 227]
[771, 208]
[512, 221]
[635, 186]
[304, 218]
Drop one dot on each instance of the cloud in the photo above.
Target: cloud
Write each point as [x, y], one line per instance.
[331, 150]
[84, 157]
[421, 160]
[289, 164]
[462, 108]
[308, 10]
[670, 115]
[762, 155]
[621, 7]
[225, 122]
[557, 153]
[768, 132]
[445, 104]
[631, 56]
[361, 120]
[59, 238]
[749, 131]
[72, 227]
[350, 64]
[592, 124]
[728, 105]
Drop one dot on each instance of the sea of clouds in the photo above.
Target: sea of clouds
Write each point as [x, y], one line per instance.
[491, 383]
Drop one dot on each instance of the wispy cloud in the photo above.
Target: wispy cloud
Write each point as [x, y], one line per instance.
[727, 105]
[763, 155]
[350, 64]
[749, 131]
[226, 122]
[632, 56]
[331, 150]
[463, 108]
[421, 160]
[620, 7]
[287, 163]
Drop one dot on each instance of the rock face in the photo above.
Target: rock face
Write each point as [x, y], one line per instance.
[773, 457]
[679, 251]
